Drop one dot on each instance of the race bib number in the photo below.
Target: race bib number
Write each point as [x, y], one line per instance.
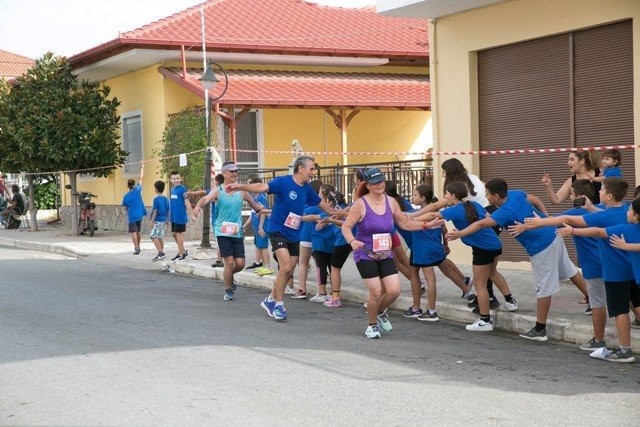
[293, 221]
[230, 228]
[381, 242]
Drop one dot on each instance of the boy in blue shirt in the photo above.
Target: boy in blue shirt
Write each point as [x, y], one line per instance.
[159, 213]
[179, 207]
[611, 161]
[262, 265]
[617, 271]
[134, 205]
[550, 261]
[589, 256]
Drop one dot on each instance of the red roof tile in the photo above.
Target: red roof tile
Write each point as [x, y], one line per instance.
[13, 65]
[314, 89]
[280, 26]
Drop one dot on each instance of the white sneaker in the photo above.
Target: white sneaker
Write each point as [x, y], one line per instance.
[320, 298]
[288, 291]
[372, 332]
[510, 306]
[480, 326]
[383, 322]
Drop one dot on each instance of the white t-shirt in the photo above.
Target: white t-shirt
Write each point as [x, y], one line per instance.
[478, 187]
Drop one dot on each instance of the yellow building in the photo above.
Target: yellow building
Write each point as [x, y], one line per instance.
[541, 75]
[343, 82]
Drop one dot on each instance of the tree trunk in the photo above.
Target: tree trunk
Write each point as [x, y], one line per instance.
[33, 209]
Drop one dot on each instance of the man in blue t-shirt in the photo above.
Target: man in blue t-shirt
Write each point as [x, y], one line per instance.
[132, 201]
[292, 193]
[550, 261]
[180, 206]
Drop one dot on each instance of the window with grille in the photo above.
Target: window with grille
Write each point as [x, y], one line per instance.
[132, 141]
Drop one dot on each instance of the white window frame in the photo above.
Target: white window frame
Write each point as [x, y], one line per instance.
[136, 171]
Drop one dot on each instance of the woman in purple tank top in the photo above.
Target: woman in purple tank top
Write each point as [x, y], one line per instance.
[375, 213]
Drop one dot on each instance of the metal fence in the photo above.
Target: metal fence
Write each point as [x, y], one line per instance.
[406, 174]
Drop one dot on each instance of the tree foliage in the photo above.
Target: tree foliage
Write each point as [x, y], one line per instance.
[50, 121]
[185, 132]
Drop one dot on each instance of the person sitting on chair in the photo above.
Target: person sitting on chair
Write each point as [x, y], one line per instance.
[16, 208]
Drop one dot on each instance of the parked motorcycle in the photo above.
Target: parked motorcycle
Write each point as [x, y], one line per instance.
[87, 215]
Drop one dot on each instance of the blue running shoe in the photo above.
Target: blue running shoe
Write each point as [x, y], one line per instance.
[234, 286]
[279, 312]
[269, 306]
[229, 295]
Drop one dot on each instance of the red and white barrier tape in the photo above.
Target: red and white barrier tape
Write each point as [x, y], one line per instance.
[373, 153]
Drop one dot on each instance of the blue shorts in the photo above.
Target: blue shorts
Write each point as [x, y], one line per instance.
[261, 242]
[231, 246]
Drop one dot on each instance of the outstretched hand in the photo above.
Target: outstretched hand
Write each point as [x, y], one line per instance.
[435, 223]
[453, 234]
[534, 221]
[565, 230]
[517, 229]
[618, 242]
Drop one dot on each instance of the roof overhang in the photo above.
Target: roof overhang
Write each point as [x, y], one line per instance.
[429, 9]
[313, 90]
[136, 59]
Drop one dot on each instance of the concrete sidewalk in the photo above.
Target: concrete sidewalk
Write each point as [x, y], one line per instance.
[567, 321]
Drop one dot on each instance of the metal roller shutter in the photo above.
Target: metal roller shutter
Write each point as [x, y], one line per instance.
[604, 90]
[541, 94]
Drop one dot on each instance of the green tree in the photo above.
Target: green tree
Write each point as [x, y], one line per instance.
[50, 121]
[185, 132]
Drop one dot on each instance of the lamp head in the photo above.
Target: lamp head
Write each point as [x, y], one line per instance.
[208, 79]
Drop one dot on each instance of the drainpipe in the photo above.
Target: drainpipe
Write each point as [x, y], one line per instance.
[433, 79]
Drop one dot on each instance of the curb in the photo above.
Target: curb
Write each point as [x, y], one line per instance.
[42, 247]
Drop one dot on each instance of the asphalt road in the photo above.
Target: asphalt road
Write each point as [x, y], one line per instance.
[86, 342]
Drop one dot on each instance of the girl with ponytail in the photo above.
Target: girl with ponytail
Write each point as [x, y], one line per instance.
[486, 249]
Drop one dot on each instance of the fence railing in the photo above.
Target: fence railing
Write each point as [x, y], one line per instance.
[406, 174]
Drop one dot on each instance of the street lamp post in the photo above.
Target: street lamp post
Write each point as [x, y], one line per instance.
[209, 81]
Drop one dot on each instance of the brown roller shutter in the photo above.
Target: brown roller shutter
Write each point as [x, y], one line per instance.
[569, 90]
[604, 90]
[524, 103]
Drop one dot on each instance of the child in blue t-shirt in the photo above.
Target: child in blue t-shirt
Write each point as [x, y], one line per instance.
[323, 238]
[262, 265]
[486, 248]
[611, 162]
[589, 257]
[180, 212]
[550, 261]
[132, 201]
[159, 214]
[617, 269]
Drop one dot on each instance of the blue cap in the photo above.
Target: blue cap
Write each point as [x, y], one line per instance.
[373, 176]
